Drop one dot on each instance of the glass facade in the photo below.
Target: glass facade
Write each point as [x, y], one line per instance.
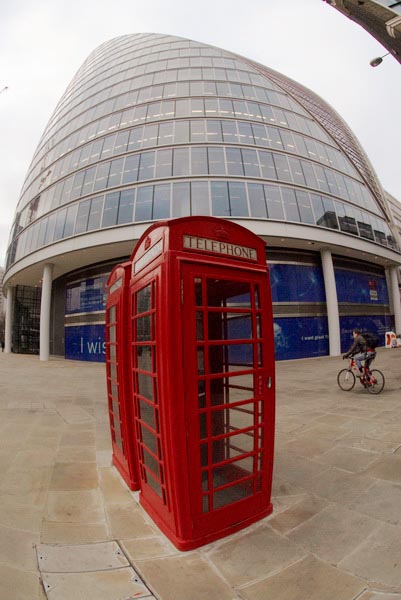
[393, 4]
[155, 127]
[25, 339]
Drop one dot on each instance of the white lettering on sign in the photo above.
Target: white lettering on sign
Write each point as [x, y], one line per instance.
[234, 250]
[154, 251]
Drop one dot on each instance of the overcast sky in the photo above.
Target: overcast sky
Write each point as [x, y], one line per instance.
[43, 44]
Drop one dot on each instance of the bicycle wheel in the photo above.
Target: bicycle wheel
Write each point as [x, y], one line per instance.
[346, 380]
[376, 383]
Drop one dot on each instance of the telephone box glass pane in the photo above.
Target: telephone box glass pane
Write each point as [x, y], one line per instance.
[147, 414]
[112, 333]
[145, 385]
[112, 314]
[149, 440]
[230, 357]
[199, 326]
[232, 471]
[144, 358]
[144, 300]
[117, 434]
[232, 418]
[116, 410]
[198, 292]
[258, 326]
[201, 361]
[230, 294]
[203, 426]
[113, 371]
[113, 351]
[151, 463]
[232, 494]
[232, 446]
[201, 394]
[143, 328]
[231, 389]
[229, 326]
[155, 485]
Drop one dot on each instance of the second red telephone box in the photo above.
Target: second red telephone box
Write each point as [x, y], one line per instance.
[119, 388]
[203, 377]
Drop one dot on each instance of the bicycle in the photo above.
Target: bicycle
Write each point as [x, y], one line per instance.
[372, 380]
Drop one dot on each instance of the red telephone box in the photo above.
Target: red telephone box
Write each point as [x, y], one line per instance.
[119, 388]
[203, 377]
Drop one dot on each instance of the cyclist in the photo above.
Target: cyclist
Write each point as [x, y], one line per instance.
[358, 349]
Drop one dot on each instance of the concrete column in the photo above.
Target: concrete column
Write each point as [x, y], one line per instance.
[9, 319]
[331, 303]
[395, 297]
[45, 311]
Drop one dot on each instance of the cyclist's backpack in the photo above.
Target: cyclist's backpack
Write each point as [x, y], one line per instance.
[372, 340]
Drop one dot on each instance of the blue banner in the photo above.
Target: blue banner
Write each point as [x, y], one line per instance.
[296, 283]
[300, 337]
[86, 295]
[360, 288]
[86, 342]
[378, 325]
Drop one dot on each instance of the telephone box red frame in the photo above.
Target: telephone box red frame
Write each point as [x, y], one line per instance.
[203, 408]
[119, 388]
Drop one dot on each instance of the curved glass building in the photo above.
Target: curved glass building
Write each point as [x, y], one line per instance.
[155, 127]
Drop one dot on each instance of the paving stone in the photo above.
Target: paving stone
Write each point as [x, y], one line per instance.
[281, 487]
[144, 548]
[74, 414]
[253, 555]
[20, 516]
[183, 577]
[73, 533]
[386, 467]
[128, 522]
[308, 579]
[308, 447]
[114, 490]
[116, 584]
[78, 438]
[333, 533]
[85, 506]
[76, 476]
[79, 558]
[296, 470]
[73, 454]
[16, 548]
[382, 501]
[349, 459]
[337, 485]
[378, 558]
[336, 420]
[364, 442]
[298, 513]
[35, 458]
[16, 584]
[325, 431]
[391, 431]
[30, 485]
[103, 458]
[379, 596]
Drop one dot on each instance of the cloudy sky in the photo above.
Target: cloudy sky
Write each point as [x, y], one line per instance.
[43, 43]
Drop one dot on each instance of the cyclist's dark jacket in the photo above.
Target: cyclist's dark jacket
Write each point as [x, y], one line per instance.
[357, 347]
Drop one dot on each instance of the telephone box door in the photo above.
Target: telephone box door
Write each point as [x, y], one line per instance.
[229, 383]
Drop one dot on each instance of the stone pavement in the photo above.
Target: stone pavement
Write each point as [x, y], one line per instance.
[71, 530]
